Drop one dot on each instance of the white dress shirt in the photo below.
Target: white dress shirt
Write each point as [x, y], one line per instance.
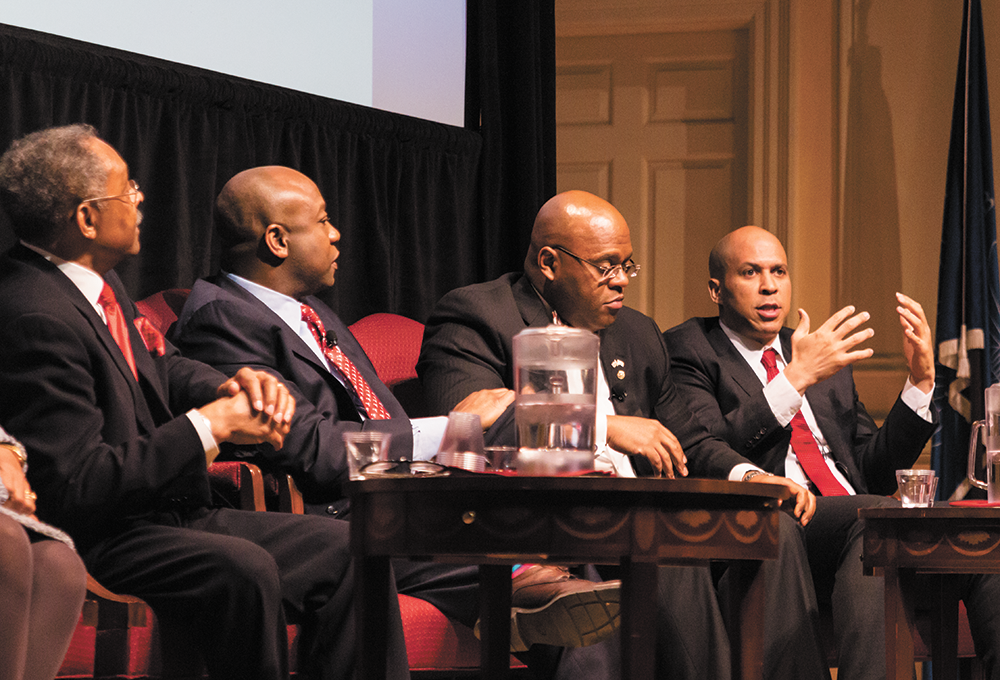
[785, 401]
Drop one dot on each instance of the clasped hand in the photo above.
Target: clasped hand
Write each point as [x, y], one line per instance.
[253, 407]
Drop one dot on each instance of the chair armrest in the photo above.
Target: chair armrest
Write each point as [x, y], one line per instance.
[241, 483]
[282, 493]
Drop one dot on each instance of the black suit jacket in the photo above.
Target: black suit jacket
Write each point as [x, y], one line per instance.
[468, 346]
[227, 327]
[104, 449]
[728, 397]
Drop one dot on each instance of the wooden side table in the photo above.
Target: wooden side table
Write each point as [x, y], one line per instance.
[496, 521]
[940, 540]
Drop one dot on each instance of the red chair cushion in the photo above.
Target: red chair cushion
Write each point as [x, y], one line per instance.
[434, 643]
[163, 308]
[392, 342]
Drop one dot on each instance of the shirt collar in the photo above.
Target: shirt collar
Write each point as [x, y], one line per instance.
[751, 350]
[86, 279]
[287, 308]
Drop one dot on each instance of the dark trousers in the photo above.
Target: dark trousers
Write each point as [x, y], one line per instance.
[834, 544]
[233, 579]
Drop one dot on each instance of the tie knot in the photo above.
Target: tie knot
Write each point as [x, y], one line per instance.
[770, 361]
[107, 296]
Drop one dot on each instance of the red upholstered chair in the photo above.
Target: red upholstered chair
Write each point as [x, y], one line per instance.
[392, 342]
[164, 307]
[119, 637]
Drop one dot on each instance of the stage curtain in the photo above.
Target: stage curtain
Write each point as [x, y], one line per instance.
[403, 192]
[510, 101]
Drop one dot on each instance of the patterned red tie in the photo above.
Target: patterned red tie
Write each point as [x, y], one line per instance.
[804, 444]
[117, 325]
[374, 408]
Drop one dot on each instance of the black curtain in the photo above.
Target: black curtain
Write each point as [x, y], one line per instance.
[510, 101]
[404, 192]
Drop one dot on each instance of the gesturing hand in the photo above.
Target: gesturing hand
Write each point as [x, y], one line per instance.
[818, 355]
[918, 346]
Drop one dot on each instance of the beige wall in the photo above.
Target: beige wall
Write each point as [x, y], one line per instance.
[859, 96]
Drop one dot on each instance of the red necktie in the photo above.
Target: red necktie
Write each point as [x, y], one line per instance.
[117, 325]
[804, 444]
[374, 408]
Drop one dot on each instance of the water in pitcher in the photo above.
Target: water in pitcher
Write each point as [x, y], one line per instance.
[993, 476]
[555, 433]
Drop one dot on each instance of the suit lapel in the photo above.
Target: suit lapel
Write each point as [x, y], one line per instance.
[531, 307]
[731, 361]
[100, 329]
[291, 338]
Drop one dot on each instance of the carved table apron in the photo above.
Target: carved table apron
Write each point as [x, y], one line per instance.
[902, 542]
[495, 521]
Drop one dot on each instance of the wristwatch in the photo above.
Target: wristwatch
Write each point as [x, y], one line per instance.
[755, 473]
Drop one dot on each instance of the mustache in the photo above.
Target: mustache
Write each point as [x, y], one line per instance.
[138, 217]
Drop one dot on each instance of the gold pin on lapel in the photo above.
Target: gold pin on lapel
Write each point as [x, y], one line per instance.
[621, 375]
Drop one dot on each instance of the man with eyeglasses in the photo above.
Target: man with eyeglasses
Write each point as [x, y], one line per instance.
[577, 268]
[120, 435]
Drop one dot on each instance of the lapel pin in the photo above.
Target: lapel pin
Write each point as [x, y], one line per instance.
[617, 363]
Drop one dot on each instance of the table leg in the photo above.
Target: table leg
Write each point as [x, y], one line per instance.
[898, 629]
[638, 610]
[494, 620]
[747, 599]
[944, 626]
[371, 602]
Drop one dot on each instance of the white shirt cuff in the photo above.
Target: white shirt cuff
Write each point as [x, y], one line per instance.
[784, 400]
[427, 436]
[203, 426]
[736, 474]
[919, 402]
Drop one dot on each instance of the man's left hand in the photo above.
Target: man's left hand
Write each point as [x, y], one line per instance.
[918, 346]
[266, 393]
[804, 501]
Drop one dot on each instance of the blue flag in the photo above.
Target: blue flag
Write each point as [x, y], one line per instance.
[968, 312]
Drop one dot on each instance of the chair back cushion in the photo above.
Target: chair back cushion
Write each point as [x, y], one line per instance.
[163, 308]
[392, 342]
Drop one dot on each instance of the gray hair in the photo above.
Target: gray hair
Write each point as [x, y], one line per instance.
[45, 175]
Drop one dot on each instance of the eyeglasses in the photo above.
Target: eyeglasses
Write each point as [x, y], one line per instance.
[607, 272]
[132, 195]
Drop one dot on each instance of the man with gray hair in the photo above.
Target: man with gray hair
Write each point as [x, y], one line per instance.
[120, 435]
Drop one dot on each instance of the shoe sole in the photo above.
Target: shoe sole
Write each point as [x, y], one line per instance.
[570, 620]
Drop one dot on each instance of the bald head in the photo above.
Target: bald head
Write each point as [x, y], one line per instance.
[748, 280]
[577, 235]
[275, 231]
[253, 199]
[572, 219]
[735, 243]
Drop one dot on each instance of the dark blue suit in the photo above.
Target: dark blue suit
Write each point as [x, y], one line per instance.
[226, 327]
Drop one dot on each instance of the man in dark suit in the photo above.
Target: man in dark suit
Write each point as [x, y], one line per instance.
[120, 437]
[576, 270]
[719, 367]
[279, 250]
